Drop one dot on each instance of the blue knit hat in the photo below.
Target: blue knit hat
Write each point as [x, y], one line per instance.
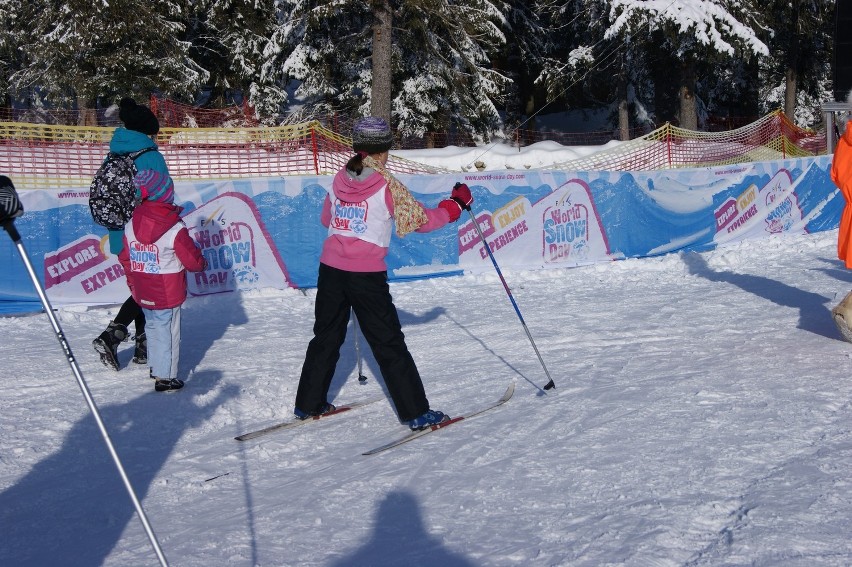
[372, 135]
[154, 186]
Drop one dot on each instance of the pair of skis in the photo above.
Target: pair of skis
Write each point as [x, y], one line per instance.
[396, 442]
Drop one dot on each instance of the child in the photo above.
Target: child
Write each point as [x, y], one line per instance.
[353, 276]
[156, 255]
[140, 128]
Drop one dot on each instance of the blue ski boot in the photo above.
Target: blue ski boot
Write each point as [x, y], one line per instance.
[431, 417]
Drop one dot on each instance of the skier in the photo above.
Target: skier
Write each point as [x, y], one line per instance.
[140, 126]
[365, 203]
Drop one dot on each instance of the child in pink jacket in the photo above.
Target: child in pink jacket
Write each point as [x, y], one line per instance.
[158, 251]
[365, 206]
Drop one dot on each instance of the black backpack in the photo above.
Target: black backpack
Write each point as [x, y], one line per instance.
[112, 195]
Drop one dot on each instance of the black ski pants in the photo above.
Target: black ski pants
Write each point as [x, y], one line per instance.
[130, 312]
[368, 295]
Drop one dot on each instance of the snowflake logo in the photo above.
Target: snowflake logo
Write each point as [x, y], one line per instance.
[246, 276]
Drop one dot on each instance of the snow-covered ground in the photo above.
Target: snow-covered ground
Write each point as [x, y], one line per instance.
[499, 156]
[701, 417]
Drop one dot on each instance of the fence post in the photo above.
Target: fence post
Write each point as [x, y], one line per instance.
[669, 142]
[829, 109]
[314, 148]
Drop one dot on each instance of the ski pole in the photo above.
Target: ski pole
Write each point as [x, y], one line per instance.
[9, 226]
[550, 383]
[361, 378]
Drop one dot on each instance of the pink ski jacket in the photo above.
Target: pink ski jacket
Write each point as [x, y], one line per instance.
[349, 252]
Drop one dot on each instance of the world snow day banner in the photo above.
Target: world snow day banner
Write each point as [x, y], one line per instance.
[265, 233]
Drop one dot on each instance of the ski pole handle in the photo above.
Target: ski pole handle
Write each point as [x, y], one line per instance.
[461, 195]
[10, 204]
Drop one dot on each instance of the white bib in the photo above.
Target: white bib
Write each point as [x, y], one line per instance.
[368, 220]
[157, 258]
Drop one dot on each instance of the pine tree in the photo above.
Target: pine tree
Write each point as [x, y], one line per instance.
[230, 41]
[324, 48]
[699, 32]
[78, 50]
[13, 33]
[441, 74]
[430, 65]
[444, 77]
[665, 56]
[797, 77]
[589, 70]
[521, 59]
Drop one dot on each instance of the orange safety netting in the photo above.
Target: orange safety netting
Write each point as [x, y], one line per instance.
[52, 156]
[772, 137]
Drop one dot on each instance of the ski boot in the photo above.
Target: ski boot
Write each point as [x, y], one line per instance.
[140, 354]
[428, 419]
[303, 415]
[106, 345]
[167, 384]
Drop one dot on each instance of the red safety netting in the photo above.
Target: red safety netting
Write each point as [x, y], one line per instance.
[173, 114]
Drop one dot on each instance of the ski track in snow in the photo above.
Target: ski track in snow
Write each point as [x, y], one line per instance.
[701, 417]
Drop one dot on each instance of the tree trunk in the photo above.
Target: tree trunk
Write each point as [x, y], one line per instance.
[529, 110]
[790, 79]
[86, 116]
[686, 94]
[623, 110]
[380, 98]
[791, 75]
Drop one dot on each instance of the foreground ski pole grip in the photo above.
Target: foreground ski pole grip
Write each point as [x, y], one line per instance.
[550, 385]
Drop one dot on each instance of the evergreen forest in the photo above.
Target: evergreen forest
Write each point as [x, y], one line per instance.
[482, 67]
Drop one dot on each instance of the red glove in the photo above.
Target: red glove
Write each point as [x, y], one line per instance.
[461, 192]
[460, 199]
